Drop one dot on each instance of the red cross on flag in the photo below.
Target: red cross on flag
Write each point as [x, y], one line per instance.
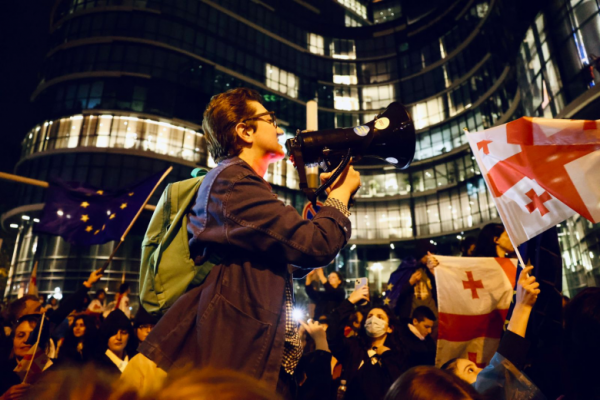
[540, 172]
[474, 296]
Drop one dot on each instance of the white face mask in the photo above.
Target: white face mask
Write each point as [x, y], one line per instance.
[375, 327]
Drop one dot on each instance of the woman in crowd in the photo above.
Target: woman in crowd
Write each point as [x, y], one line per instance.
[493, 241]
[373, 359]
[142, 325]
[79, 345]
[12, 385]
[114, 336]
[327, 301]
[502, 378]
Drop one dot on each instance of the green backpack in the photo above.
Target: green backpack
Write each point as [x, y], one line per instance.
[167, 271]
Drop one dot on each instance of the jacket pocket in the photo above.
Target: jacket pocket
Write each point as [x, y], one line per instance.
[230, 338]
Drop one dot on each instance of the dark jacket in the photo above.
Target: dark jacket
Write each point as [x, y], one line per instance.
[404, 304]
[352, 352]
[419, 352]
[327, 301]
[319, 383]
[236, 318]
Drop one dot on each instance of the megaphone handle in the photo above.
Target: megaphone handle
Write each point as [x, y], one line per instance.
[336, 174]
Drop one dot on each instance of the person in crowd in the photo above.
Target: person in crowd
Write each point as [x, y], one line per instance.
[415, 336]
[373, 359]
[79, 345]
[467, 246]
[115, 332]
[317, 367]
[240, 317]
[143, 323]
[493, 241]
[327, 301]
[354, 324]
[415, 285]
[12, 385]
[502, 378]
[430, 383]
[122, 300]
[581, 351]
[52, 304]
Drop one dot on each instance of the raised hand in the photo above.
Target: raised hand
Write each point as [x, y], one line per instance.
[359, 295]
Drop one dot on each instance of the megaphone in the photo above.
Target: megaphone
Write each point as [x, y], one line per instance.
[390, 138]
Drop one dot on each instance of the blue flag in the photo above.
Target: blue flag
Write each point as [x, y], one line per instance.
[85, 216]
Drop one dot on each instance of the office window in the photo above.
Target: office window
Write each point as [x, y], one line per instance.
[345, 98]
[344, 49]
[344, 73]
[282, 81]
[355, 6]
[377, 97]
[315, 44]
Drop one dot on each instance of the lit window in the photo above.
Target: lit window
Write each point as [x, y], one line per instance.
[344, 73]
[281, 81]
[345, 99]
[316, 44]
[351, 22]
[355, 6]
[376, 97]
[344, 49]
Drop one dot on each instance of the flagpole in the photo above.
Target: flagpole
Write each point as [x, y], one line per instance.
[35, 347]
[134, 219]
[507, 230]
[43, 184]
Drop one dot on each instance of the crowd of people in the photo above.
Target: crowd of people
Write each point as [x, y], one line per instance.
[353, 348]
[232, 333]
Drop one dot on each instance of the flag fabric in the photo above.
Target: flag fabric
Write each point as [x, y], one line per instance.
[85, 216]
[33, 289]
[540, 172]
[474, 295]
[39, 362]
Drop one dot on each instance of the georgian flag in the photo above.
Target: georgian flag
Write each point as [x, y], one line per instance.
[540, 172]
[474, 295]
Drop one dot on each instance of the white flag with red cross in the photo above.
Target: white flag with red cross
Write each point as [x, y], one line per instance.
[474, 295]
[540, 172]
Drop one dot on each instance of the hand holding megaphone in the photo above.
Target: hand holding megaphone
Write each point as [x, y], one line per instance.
[345, 185]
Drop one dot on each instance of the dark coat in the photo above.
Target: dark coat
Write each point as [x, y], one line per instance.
[327, 301]
[236, 318]
[419, 352]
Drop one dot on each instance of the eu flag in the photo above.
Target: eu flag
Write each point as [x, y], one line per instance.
[85, 216]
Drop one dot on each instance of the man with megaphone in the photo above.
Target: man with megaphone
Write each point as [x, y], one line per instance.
[240, 316]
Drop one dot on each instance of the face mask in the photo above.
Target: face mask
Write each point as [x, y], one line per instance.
[375, 327]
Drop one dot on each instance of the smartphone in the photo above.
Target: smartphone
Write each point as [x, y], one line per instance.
[358, 283]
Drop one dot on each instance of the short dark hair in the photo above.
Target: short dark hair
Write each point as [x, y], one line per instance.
[222, 114]
[123, 288]
[98, 292]
[424, 383]
[423, 312]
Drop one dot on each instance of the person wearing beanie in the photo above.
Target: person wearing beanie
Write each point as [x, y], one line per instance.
[115, 332]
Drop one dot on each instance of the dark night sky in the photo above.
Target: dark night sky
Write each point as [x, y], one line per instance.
[23, 37]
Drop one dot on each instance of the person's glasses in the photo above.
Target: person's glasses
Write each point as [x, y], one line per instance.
[272, 121]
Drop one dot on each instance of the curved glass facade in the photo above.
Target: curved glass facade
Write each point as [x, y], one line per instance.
[125, 84]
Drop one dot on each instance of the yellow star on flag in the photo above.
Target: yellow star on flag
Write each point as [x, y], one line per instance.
[97, 231]
[103, 226]
[85, 218]
[112, 216]
[89, 228]
[100, 192]
[85, 204]
[390, 286]
[123, 206]
[386, 301]
[131, 194]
